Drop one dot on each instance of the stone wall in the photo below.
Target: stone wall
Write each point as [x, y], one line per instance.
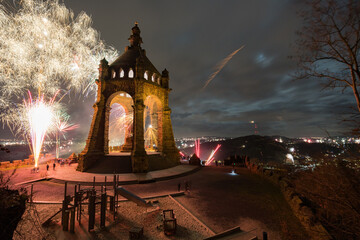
[16, 163]
[305, 215]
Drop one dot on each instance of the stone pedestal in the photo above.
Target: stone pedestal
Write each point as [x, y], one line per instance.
[127, 147]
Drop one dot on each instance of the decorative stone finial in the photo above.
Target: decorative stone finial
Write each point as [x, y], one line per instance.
[165, 73]
[103, 62]
[135, 39]
[103, 68]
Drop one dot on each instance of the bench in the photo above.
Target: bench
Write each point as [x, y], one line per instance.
[136, 232]
[169, 222]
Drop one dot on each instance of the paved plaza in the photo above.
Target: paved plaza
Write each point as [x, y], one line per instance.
[217, 197]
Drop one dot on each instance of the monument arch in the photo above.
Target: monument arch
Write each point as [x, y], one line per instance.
[147, 92]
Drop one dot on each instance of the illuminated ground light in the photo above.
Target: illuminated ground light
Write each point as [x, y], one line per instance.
[233, 172]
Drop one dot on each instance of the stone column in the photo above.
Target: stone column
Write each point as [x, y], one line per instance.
[160, 130]
[138, 154]
[170, 151]
[106, 129]
[95, 143]
[169, 146]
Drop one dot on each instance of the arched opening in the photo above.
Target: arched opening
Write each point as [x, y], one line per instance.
[131, 73]
[153, 77]
[113, 73]
[152, 123]
[122, 73]
[120, 123]
[146, 75]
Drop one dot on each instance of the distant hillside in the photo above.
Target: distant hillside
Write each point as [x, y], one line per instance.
[316, 150]
[254, 146]
[17, 152]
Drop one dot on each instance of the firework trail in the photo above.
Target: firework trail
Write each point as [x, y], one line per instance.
[211, 157]
[221, 65]
[197, 148]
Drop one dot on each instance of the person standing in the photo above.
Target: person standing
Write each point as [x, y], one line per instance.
[47, 166]
[179, 187]
[54, 165]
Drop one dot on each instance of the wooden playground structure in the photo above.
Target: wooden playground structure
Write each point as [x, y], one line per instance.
[73, 207]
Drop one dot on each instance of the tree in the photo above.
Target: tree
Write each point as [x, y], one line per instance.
[2, 148]
[332, 191]
[329, 43]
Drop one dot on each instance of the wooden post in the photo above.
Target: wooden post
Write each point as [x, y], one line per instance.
[94, 183]
[31, 194]
[65, 189]
[80, 205]
[114, 184]
[75, 199]
[112, 206]
[66, 220]
[72, 220]
[64, 208]
[80, 212]
[91, 212]
[103, 210]
[112, 203]
[117, 196]
[105, 185]
[265, 236]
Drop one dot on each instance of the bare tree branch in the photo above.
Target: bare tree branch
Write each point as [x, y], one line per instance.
[330, 38]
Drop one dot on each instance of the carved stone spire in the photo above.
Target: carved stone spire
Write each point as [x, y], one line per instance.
[135, 39]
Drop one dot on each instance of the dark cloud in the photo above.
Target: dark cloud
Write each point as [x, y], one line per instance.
[190, 38]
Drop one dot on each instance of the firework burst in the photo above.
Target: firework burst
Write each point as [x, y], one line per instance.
[43, 46]
[120, 125]
[150, 137]
[62, 126]
[39, 116]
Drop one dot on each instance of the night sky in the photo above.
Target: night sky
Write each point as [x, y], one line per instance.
[189, 38]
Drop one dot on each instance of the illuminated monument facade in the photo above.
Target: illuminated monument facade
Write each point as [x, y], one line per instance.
[131, 127]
